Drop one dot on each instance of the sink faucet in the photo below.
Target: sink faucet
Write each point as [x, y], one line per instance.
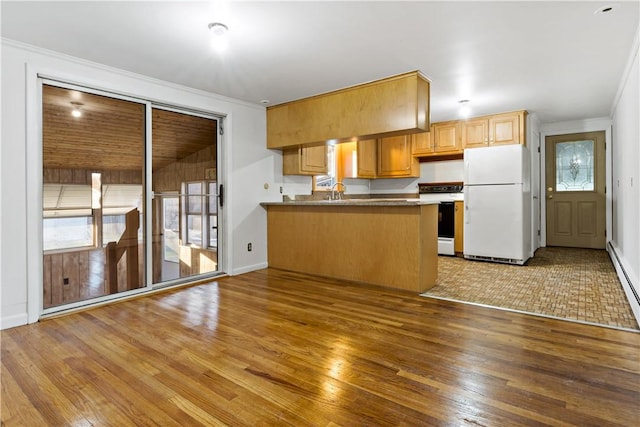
[337, 196]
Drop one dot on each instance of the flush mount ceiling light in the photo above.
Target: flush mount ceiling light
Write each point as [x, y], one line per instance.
[219, 37]
[465, 109]
[605, 9]
[75, 111]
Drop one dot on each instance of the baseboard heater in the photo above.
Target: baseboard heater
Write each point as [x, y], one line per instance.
[620, 269]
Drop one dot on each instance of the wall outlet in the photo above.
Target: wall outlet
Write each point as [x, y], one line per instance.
[249, 247]
[280, 189]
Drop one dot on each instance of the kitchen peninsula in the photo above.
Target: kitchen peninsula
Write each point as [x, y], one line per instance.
[385, 242]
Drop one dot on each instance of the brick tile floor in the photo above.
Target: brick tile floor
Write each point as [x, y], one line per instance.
[575, 284]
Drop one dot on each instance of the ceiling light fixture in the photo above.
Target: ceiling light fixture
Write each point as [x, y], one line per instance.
[605, 9]
[465, 110]
[219, 37]
[75, 111]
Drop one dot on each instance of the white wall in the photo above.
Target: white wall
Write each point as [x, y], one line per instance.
[625, 159]
[246, 165]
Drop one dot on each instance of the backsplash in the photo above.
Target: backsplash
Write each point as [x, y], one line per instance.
[444, 171]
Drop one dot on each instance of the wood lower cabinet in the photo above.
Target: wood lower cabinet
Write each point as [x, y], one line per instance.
[458, 234]
[391, 246]
[305, 161]
[498, 129]
[395, 158]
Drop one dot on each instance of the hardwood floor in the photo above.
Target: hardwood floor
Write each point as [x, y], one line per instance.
[279, 348]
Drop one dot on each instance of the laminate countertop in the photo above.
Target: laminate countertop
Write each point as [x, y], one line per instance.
[352, 202]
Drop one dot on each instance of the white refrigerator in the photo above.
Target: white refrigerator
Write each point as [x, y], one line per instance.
[497, 204]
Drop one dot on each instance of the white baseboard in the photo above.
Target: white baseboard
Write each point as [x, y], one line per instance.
[628, 280]
[248, 268]
[13, 321]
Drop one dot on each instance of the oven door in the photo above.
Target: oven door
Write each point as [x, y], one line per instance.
[446, 219]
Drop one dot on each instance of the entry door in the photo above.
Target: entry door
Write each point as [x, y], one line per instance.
[575, 193]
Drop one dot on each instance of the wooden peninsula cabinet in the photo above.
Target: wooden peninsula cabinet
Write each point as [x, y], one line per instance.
[385, 243]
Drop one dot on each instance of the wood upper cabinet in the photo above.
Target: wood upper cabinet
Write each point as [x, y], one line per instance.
[475, 132]
[498, 129]
[422, 144]
[367, 158]
[458, 233]
[398, 104]
[305, 161]
[446, 137]
[395, 158]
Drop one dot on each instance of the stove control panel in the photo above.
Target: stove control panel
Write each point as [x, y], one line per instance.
[438, 188]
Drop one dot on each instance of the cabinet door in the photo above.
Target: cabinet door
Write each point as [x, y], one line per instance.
[367, 158]
[458, 244]
[446, 137]
[313, 160]
[422, 144]
[305, 161]
[475, 133]
[395, 157]
[506, 129]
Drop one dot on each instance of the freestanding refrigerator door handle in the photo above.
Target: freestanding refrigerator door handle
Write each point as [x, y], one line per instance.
[466, 208]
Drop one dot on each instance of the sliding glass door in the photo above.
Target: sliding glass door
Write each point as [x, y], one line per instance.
[184, 183]
[93, 170]
[95, 197]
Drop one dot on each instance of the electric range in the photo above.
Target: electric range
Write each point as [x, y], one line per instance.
[445, 194]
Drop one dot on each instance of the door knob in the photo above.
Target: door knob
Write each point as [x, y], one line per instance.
[550, 189]
[551, 197]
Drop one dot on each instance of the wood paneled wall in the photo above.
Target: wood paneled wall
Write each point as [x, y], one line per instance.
[83, 176]
[84, 271]
[74, 268]
[195, 167]
[197, 260]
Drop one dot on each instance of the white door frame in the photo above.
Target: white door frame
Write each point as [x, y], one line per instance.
[34, 184]
[580, 126]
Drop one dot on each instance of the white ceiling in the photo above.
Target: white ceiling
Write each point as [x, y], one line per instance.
[557, 59]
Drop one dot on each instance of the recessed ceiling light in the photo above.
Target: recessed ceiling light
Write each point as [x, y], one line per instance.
[605, 9]
[264, 101]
